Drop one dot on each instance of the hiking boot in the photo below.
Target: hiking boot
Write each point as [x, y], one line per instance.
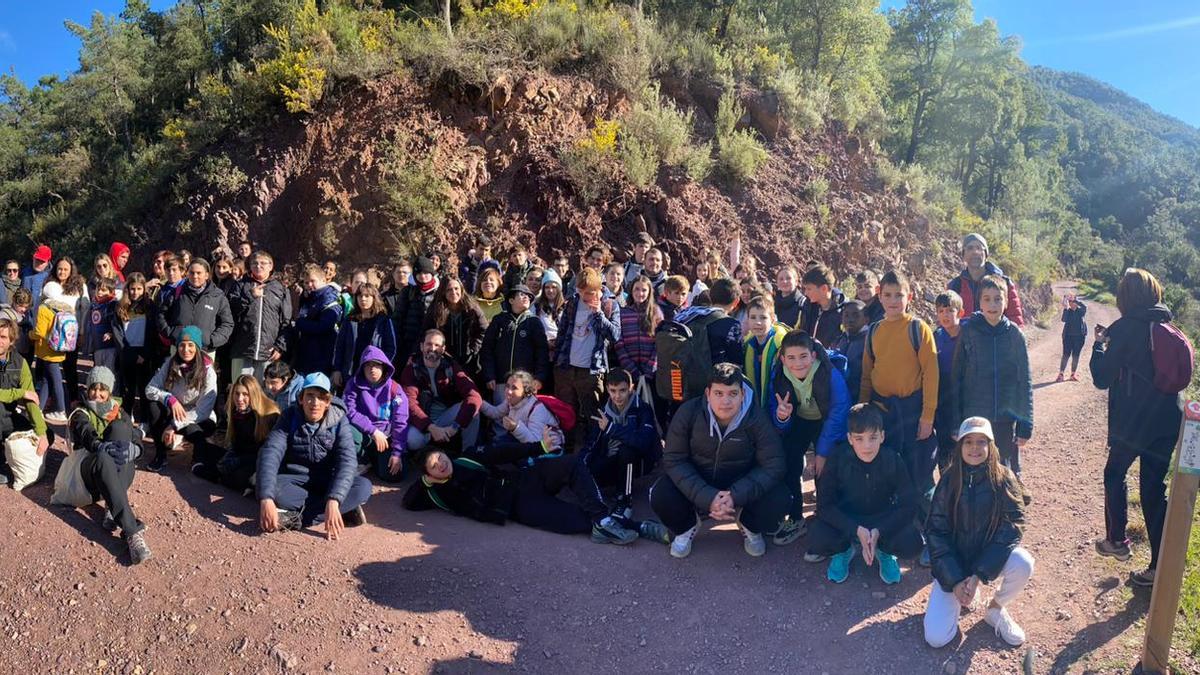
[1060, 378]
[139, 551]
[1006, 628]
[654, 531]
[754, 543]
[609, 531]
[108, 523]
[815, 558]
[924, 560]
[681, 545]
[789, 531]
[839, 565]
[889, 567]
[355, 517]
[1110, 550]
[289, 520]
[1143, 579]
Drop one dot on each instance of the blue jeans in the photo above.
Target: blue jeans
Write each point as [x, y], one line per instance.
[50, 379]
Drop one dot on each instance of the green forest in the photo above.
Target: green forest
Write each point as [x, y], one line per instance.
[1063, 173]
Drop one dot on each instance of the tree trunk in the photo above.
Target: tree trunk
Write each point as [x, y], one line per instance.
[910, 155]
[724, 30]
[446, 18]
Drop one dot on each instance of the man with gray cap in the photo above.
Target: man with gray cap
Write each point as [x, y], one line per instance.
[975, 256]
[105, 432]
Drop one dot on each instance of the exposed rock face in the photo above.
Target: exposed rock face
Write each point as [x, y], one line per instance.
[314, 188]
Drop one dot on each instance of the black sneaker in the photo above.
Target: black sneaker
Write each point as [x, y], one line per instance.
[654, 531]
[289, 520]
[206, 471]
[139, 551]
[158, 463]
[354, 518]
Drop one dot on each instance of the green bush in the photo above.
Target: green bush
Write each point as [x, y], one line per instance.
[739, 153]
[698, 162]
[661, 126]
[639, 161]
[219, 173]
[803, 102]
[817, 189]
[414, 194]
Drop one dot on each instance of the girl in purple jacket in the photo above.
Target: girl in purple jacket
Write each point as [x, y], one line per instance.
[378, 410]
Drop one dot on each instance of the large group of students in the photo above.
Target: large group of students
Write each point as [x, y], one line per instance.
[505, 387]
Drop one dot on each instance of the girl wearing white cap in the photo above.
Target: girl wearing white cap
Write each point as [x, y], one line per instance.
[973, 533]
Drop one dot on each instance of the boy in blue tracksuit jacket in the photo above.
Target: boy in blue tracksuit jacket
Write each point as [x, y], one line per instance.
[625, 436]
[809, 404]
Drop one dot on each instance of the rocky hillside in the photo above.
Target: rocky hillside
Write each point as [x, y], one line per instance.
[316, 184]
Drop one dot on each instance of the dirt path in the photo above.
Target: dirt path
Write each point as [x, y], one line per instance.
[426, 592]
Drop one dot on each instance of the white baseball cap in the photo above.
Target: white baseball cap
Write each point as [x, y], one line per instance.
[976, 425]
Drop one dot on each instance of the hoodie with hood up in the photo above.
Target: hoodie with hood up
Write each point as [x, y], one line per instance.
[378, 407]
[115, 252]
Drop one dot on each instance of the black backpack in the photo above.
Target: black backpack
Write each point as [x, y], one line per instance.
[684, 357]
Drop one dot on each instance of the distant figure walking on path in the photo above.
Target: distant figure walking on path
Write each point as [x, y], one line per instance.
[1073, 336]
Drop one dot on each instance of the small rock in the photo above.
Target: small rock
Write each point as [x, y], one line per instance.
[1062, 615]
[378, 649]
[420, 641]
[878, 595]
[950, 668]
[79, 586]
[474, 654]
[190, 628]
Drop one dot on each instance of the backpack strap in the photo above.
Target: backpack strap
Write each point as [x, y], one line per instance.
[914, 336]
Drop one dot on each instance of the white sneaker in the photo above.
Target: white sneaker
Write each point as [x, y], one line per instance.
[1006, 628]
[681, 546]
[56, 417]
[755, 544]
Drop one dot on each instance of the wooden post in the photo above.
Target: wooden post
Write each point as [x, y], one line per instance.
[1172, 554]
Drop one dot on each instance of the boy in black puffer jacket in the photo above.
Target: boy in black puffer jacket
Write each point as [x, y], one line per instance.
[865, 502]
[990, 376]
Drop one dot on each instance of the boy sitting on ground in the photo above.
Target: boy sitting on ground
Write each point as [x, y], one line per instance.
[865, 503]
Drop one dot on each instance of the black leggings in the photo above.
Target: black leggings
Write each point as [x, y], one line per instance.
[197, 434]
[108, 481]
[134, 378]
[1072, 346]
[1152, 476]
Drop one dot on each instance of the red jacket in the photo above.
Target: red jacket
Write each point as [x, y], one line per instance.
[453, 386]
[968, 288]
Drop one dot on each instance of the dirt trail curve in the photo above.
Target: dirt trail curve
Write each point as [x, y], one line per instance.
[426, 592]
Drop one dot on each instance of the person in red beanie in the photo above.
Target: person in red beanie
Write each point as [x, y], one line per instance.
[34, 276]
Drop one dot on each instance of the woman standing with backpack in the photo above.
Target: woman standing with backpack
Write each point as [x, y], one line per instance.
[1135, 359]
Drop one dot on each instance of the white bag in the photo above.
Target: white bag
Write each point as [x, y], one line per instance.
[20, 451]
[69, 489]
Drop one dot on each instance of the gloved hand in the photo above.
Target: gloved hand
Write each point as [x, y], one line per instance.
[121, 451]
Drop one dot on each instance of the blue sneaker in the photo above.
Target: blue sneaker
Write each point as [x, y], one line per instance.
[889, 568]
[839, 566]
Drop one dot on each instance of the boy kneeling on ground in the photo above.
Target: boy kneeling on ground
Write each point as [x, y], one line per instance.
[865, 503]
[527, 495]
[308, 467]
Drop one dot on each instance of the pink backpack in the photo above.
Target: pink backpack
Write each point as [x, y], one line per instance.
[1173, 356]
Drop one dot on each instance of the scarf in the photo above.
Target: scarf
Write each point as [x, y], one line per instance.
[12, 285]
[806, 407]
[103, 413]
[429, 287]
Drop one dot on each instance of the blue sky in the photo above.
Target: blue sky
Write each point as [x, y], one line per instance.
[1148, 48]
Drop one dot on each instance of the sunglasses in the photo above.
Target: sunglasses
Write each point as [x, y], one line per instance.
[13, 270]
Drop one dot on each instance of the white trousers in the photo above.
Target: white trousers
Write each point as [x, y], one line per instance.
[941, 614]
